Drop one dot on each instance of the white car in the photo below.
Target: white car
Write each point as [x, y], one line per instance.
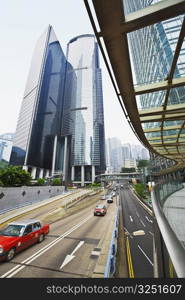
[103, 197]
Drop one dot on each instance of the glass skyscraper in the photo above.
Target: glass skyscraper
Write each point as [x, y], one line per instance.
[83, 120]
[39, 121]
[60, 128]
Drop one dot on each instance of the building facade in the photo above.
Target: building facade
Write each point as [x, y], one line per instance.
[83, 118]
[39, 122]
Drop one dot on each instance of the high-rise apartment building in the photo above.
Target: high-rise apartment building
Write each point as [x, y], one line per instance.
[39, 123]
[83, 121]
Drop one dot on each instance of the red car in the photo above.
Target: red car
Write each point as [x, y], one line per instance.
[20, 235]
[100, 210]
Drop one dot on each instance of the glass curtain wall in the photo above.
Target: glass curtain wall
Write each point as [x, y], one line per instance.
[40, 116]
[83, 105]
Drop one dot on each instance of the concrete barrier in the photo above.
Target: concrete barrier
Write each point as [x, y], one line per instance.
[15, 197]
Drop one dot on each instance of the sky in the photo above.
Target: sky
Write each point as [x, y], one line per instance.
[21, 24]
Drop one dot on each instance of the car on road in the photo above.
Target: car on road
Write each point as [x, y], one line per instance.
[109, 200]
[100, 210]
[19, 235]
[103, 197]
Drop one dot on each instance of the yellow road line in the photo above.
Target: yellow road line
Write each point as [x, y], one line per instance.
[171, 270]
[129, 259]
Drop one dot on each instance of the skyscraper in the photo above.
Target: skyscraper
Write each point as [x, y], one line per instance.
[39, 122]
[61, 122]
[83, 118]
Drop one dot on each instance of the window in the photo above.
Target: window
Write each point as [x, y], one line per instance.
[36, 226]
[28, 229]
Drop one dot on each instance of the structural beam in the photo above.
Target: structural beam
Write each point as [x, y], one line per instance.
[157, 129]
[152, 14]
[159, 86]
[175, 108]
[158, 118]
[174, 136]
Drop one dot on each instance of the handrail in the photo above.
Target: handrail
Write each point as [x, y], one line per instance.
[173, 245]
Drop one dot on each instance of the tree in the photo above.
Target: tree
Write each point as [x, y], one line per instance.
[140, 189]
[143, 163]
[14, 176]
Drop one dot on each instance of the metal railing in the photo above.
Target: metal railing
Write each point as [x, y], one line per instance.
[174, 248]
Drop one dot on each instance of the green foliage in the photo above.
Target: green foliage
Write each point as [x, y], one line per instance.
[96, 184]
[143, 163]
[56, 181]
[140, 189]
[40, 181]
[1, 183]
[128, 170]
[14, 176]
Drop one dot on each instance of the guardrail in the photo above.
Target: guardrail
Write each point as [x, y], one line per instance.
[174, 248]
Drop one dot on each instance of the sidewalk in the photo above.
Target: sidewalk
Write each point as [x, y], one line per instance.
[174, 210]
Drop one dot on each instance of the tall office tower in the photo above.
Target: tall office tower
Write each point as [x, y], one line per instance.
[115, 151]
[152, 50]
[83, 122]
[39, 125]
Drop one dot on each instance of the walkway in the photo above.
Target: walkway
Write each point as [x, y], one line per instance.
[174, 210]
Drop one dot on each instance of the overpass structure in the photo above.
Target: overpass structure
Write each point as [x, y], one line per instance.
[160, 125]
[155, 106]
[117, 176]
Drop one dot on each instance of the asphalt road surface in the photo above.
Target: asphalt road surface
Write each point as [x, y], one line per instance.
[139, 247]
[69, 250]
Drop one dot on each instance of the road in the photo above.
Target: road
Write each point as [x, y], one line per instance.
[139, 247]
[70, 250]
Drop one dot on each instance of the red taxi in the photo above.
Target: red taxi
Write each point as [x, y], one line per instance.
[100, 210]
[20, 235]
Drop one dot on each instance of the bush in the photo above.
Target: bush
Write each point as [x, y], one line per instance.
[56, 181]
[14, 176]
[40, 181]
[140, 189]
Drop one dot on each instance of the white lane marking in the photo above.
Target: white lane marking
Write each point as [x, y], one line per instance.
[145, 255]
[19, 267]
[131, 219]
[142, 222]
[69, 257]
[137, 214]
[149, 220]
[151, 233]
